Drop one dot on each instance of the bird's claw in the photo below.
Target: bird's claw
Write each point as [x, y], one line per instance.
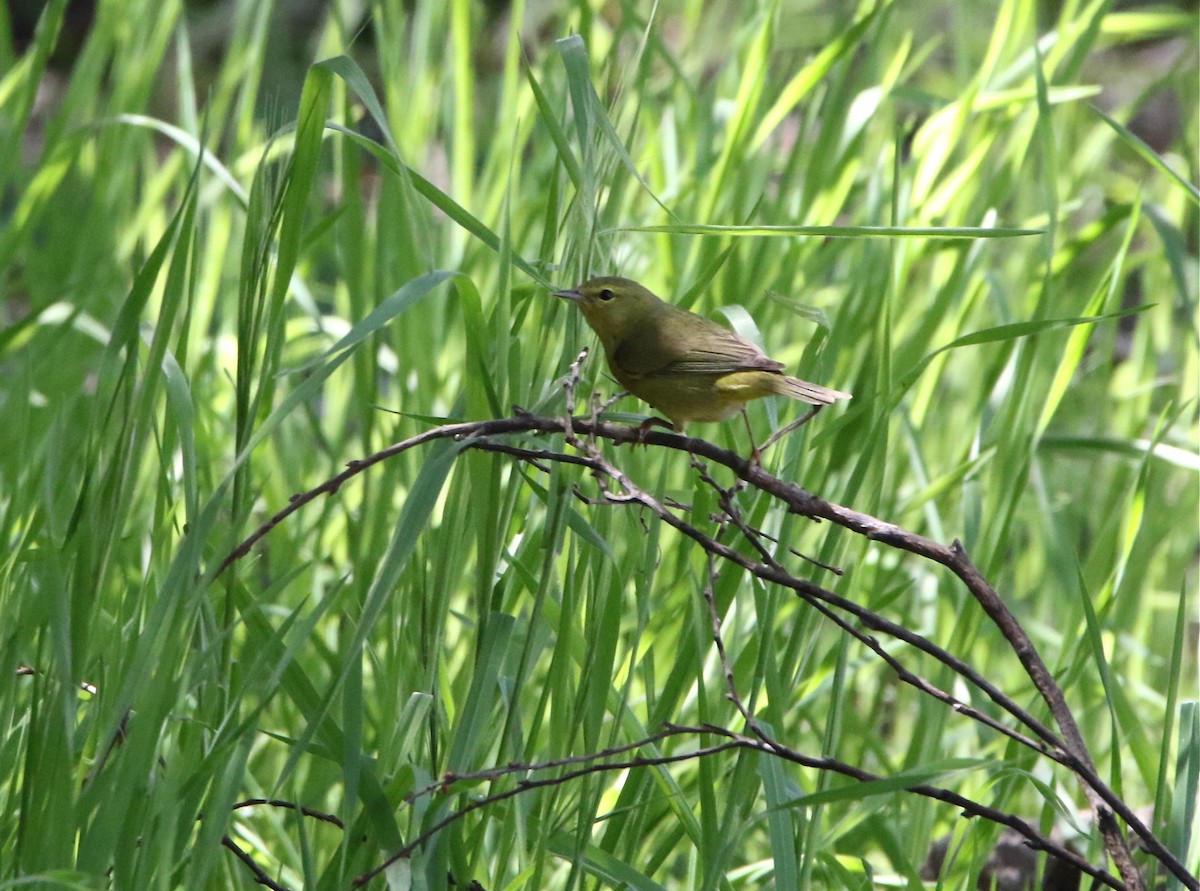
[644, 428]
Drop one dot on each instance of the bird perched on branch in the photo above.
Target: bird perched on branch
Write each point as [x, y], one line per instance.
[683, 365]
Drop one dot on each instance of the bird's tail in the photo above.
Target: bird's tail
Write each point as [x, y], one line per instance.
[813, 394]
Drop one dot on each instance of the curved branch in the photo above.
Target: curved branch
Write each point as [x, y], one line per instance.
[584, 765]
[1070, 750]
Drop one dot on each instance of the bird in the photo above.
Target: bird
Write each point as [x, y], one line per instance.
[683, 365]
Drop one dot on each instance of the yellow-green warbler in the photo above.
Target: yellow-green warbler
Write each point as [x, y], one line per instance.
[683, 365]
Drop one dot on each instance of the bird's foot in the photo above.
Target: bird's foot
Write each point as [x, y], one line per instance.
[645, 427]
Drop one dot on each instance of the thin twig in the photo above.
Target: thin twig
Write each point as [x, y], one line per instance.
[732, 694]
[788, 428]
[526, 785]
[969, 808]
[290, 805]
[260, 876]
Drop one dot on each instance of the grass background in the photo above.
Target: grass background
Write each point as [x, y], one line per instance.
[363, 247]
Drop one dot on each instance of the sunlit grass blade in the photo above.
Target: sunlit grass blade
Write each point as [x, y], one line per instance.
[811, 75]
[1011, 332]
[189, 142]
[947, 232]
[1153, 158]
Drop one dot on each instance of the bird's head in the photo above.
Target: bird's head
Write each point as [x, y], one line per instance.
[612, 306]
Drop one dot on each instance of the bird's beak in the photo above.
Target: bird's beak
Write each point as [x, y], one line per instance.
[570, 294]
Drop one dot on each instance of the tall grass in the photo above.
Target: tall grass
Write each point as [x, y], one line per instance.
[213, 300]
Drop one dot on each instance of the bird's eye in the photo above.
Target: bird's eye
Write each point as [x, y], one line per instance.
[607, 294]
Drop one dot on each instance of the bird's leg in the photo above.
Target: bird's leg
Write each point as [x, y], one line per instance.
[755, 454]
[784, 431]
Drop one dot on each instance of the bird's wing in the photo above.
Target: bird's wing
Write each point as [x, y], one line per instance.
[680, 345]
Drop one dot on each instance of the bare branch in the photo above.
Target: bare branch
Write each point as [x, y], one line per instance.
[260, 875]
[1069, 749]
[585, 765]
